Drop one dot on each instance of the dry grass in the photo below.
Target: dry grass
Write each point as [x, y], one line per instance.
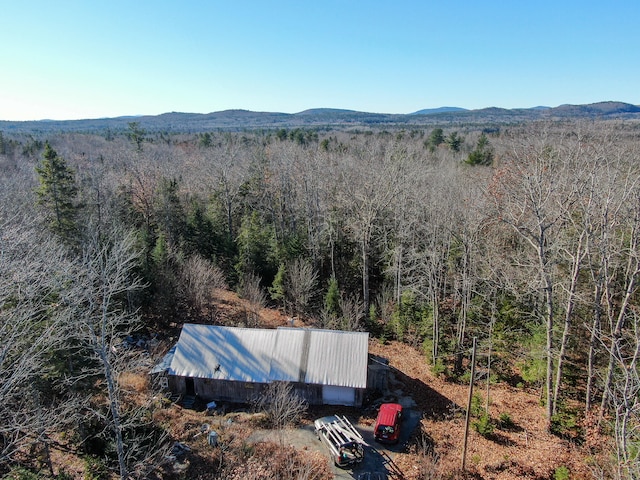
[270, 460]
[231, 310]
[236, 457]
[134, 382]
[526, 451]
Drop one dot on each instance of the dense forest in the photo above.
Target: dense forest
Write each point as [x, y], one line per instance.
[525, 237]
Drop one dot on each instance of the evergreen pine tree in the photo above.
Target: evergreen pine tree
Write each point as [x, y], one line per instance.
[332, 298]
[454, 141]
[57, 193]
[436, 138]
[483, 154]
[277, 289]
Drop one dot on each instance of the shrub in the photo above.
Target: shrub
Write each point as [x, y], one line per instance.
[506, 421]
[465, 378]
[94, 468]
[484, 425]
[565, 425]
[21, 473]
[477, 406]
[561, 473]
[281, 405]
[439, 368]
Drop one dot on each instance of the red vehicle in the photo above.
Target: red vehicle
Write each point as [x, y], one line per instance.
[387, 428]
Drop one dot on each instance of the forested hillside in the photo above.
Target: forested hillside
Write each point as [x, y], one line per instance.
[525, 237]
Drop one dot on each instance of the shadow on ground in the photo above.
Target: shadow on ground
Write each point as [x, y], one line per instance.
[432, 404]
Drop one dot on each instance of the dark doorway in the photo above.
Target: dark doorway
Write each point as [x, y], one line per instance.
[189, 386]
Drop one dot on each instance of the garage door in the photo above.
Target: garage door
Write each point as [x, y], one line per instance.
[338, 395]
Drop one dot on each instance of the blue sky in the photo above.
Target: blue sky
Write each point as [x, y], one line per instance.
[69, 59]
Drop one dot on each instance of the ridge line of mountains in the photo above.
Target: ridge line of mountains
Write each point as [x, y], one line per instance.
[327, 118]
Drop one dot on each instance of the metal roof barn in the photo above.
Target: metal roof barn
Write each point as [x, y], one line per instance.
[332, 360]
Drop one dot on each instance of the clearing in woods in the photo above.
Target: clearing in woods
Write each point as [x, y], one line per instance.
[524, 450]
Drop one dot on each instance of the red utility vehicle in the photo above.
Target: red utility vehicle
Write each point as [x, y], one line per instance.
[387, 428]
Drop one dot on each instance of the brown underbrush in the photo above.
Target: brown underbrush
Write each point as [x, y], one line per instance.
[523, 448]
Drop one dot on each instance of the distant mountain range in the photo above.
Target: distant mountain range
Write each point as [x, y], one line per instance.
[431, 111]
[329, 118]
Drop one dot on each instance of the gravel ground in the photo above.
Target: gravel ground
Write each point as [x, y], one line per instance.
[378, 458]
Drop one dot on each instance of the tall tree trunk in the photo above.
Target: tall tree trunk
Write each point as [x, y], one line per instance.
[575, 272]
[114, 409]
[631, 275]
[548, 289]
[436, 326]
[627, 407]
[593, 342]
[398, 275]
[365, 273]
[42, 433]
[547, 286]
[614, 346]
[492, 323]
[108, 265]
[465, 301]
[229, 208]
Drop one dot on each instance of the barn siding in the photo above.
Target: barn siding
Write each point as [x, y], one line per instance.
[245, 392]
[378, 377]
[228, 390]
[176, 384]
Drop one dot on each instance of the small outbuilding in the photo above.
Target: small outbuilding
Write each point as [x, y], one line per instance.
[237, 364]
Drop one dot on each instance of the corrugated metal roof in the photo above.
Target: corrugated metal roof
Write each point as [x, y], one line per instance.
[242, 354]
[326, 357]
[287, 355]
[338, 358]
[165, 363]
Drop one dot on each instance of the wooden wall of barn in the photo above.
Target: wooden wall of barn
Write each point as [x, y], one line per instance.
[244, 392]
[378, 377]
[219, 390]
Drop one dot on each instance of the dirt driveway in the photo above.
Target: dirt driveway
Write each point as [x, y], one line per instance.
[378, 458]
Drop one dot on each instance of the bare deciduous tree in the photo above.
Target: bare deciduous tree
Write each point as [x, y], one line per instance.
[529, 191]
[253, 293]
[300, 283]
[623, 393]
[369, 182]
[34, 311]
[200, 278]
[352, 313]
[103, 319]
[282, 405]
